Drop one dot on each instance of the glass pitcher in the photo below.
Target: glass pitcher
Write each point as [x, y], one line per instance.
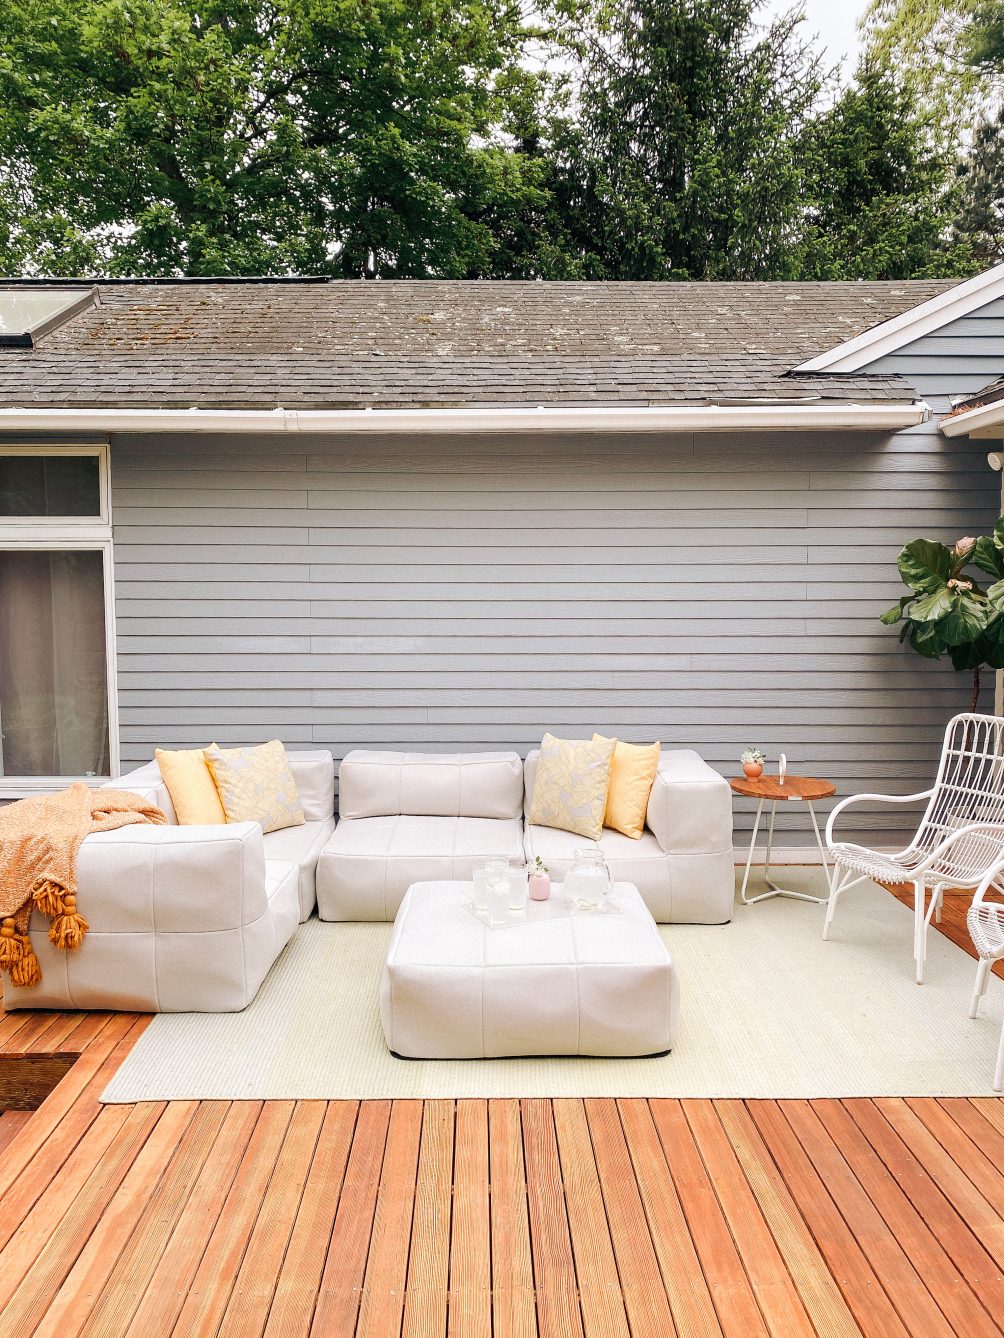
[587, 882]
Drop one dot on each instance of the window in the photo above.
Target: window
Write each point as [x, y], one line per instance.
[57, 698]
[27, 313]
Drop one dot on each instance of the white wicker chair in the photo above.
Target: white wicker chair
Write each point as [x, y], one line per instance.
[986, 929]
[960, 837]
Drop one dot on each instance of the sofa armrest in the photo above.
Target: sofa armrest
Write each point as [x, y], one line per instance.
[690, 807]
[143, 878]
[314, 773]
[147, 782]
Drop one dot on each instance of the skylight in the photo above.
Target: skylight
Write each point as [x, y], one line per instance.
[28, 313]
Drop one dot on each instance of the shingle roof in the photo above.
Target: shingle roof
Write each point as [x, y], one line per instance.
[401, 344]
[988, 395]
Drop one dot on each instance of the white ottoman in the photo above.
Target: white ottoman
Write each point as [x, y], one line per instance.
[578, 984]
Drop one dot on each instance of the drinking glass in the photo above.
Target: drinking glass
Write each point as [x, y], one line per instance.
[485, 870]
[519, 880]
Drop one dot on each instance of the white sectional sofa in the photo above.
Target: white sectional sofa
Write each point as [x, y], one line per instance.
[415, 817]
[419, 817]
[184, 918]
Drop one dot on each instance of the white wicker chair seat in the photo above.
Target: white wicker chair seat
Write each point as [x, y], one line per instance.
[959, 838]
[985, 922]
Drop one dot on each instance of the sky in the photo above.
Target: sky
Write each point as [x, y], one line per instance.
[836, 23]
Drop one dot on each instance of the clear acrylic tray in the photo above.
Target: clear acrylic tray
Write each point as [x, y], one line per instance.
[556, 907]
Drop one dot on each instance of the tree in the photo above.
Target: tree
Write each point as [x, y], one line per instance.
[683, 160]
[878, 193]
[947, 51]
[979, 221]
[947, 611]
[253, 136]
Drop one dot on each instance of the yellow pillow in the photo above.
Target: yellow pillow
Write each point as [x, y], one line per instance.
[256, 785]
[632, 775]
[191, 786]
[570, 787]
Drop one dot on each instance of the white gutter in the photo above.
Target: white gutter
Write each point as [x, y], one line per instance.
[987, 421]
[878, 417]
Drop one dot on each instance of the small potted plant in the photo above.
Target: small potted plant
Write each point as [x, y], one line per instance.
[753, 760]
[540, 881]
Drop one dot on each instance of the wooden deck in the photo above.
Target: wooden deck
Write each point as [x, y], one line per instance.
[505, 1218]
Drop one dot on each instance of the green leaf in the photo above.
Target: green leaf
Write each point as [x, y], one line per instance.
[893, 615]
[966, 621]
[925, 565]
[930, 608]
[988, 556]
[925, 640]
[995, 596]
[970, 656]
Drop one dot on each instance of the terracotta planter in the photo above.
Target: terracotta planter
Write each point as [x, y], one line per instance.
[753, 770]
[540, 886]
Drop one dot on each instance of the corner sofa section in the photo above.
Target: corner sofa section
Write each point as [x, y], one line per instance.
[682, 864]
[185, 919]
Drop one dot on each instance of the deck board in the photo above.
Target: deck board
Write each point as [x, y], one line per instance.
[527, 1219]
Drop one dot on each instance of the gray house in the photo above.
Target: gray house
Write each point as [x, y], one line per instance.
[453, 515]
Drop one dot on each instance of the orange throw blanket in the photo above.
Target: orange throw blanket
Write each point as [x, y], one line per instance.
[39, 840]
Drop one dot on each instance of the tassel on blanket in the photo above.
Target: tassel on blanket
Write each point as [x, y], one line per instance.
[26, 970]
[68, 929]
[18, 957]
[48, 897]
[10, 945]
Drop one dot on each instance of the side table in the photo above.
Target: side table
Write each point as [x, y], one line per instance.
[768, 789]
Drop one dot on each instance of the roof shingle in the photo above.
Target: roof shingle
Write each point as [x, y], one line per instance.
[350, 344]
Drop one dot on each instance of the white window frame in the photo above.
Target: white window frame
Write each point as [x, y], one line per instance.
[63, 534]
[101, 521]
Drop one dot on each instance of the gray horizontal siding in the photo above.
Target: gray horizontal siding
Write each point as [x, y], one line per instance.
[470, 593]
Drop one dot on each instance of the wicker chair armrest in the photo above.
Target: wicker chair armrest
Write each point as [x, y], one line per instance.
[992, 874]
[970, 829]
[873, 799]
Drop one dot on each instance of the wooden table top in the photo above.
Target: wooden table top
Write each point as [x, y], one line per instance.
[794, 787]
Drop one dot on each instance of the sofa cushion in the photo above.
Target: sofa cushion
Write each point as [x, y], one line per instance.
[193, 791]
[301, 846]
[256, 785]
[446, 785]
[632, 772]
[369, 863]
[570, 791]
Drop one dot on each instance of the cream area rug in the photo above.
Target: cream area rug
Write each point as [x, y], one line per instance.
[767, 1010]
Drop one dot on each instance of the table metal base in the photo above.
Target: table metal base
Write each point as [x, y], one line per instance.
[775, 890]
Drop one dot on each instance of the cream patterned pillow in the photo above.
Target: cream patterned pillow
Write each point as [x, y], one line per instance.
[570, 787]
[256, 785]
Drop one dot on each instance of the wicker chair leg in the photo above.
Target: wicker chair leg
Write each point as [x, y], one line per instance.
[919, 930]
[982, 976]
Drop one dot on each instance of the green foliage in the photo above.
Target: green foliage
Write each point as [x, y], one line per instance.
[684, 159]
[979, 214]
[416, 138]
[879, 192]
[947, 611]
[242, 136]
[947, 51]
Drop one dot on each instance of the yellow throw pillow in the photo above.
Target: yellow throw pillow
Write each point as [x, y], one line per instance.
[191, 786]
[256, 785]
[570, 787]
[632, 775]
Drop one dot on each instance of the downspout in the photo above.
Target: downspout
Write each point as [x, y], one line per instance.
[996, 461]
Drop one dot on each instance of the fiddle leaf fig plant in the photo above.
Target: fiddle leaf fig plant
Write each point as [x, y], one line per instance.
[947, 609]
